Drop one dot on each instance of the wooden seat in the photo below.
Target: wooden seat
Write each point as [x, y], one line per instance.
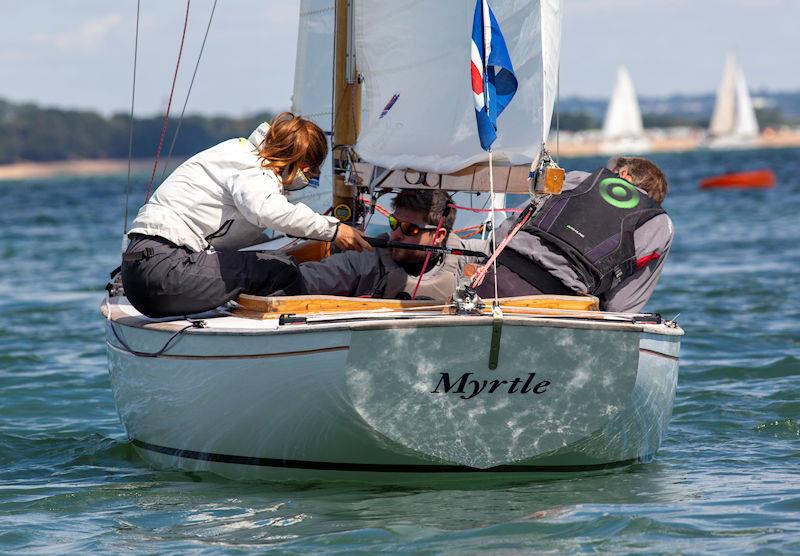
[253, 306]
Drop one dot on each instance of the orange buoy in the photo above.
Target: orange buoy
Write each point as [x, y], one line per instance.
[738, 180]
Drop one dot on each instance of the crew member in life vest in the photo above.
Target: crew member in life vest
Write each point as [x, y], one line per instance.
[184, 253]
[393, 273]
[606, 234]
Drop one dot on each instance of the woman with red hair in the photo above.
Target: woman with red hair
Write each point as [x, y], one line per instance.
[184, 255]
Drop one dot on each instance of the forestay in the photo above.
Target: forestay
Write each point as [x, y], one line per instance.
[418, 53]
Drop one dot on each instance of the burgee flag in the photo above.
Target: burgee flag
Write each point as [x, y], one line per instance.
[493, 79]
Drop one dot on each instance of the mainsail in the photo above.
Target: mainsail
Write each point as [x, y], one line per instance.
[623, 117]
[417, 105]
[313, 86]
[746, 123]
[623, 131]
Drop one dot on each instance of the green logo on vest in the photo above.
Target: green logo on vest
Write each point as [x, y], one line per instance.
[619, 193]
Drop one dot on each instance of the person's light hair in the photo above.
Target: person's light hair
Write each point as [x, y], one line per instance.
[292, 142]
[644, 174]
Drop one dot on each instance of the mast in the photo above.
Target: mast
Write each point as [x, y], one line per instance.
[346, 108]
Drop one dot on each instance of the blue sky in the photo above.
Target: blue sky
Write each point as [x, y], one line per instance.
[79, 53]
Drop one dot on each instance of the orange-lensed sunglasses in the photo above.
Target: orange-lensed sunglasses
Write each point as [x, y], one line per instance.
[408, 228]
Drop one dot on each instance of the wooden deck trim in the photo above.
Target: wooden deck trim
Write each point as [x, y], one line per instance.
[257, 307]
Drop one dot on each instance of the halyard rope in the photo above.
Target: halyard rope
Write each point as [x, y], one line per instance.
[169, 103]
[493, 260]
[428, 255]
[130, 132]
[188, 93]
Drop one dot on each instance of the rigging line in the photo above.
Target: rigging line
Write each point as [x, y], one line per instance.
[188, 93]
[169, 103]
[558, 111]
[353, 107]
[165, 347]
[471, 234]
[428, 255]
[130, 132]
[487, 46]
[493, 231]
[504, 209]
[477, 280]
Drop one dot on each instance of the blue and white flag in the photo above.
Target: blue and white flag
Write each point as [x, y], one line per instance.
[493, 79]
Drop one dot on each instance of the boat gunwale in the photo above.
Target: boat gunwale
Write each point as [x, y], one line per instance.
[394, 320]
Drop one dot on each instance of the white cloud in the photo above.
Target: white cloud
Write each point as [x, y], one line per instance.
[88, 36]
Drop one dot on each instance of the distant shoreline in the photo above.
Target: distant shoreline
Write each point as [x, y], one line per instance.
[88, 167]
[568, 147]
[590, 142]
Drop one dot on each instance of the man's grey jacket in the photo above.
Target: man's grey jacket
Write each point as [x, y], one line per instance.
[630, 295]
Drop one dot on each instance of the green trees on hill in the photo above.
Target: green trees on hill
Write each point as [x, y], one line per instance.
[31, 133]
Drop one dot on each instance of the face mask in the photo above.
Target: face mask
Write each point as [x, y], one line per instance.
[300, 181]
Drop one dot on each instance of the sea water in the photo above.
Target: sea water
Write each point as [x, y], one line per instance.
[726, 480]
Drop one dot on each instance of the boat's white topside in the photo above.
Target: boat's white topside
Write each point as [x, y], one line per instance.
[122, 312]
[401, 390]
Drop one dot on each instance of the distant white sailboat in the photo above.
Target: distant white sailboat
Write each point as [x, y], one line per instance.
[623, 131]
[733, 123]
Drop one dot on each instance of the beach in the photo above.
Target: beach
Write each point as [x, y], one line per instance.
[666, 140]
[96, 167]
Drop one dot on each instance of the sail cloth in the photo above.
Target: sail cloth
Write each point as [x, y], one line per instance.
[723, 120]
[623, 117]
[734, 115]
[418, 51]
[312, 96]
[492, 72]
[746, 123]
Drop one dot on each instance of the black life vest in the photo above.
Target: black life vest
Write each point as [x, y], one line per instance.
[593, 225]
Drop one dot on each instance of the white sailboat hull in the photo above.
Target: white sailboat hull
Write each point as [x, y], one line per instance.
[730, 143]
[393, 399]
[625, 146]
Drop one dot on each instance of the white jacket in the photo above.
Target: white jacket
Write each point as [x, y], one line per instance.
[222, 197]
